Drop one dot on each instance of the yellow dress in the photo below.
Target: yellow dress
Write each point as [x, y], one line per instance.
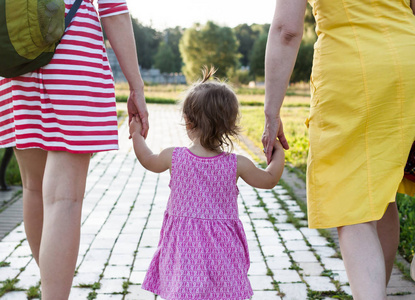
[362, 115]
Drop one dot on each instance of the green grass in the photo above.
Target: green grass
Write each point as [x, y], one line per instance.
[123, 98]
[33, 292]
[406, 207]
[8, 286]
[252, 120]
[12, 171]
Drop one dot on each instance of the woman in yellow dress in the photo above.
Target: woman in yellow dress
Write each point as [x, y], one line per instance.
[361, 123]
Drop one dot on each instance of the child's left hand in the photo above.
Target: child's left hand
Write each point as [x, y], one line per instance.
[135, 126]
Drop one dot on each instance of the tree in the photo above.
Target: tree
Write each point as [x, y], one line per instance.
[303, 64]
[246, 37]
[172, 38]
[257, 59]
[208, 45]
[147, 40]
[164, 59]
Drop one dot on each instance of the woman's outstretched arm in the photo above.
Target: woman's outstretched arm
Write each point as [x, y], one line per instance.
[119, 31]
[284, 40]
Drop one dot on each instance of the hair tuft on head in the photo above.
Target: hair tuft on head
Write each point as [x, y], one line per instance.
[208, 73]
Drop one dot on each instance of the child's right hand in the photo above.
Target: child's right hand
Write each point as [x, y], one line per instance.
[277, 150]
[135, 126]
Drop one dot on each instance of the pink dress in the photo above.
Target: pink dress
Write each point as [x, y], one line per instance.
[203, 252]
[69, 104]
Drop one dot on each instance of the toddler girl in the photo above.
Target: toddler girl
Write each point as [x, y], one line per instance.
[203, 252]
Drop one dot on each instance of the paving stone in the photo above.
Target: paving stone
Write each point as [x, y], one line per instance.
[260, 283]
[286, 227]
[286, 276]
[137, 277]
[262, 224]
[346, 289]
[280, 218]
[311, 268]
[8, 273]
[258, 268]
[340, 276]
[293, 291]
[317, 241]
[85, 279]
[117, 272]
[273, 250]
[14, 296]
[25, 282]
[109, 286]
[109, 296]
[319, 283]
[334, 264]
[325, 251]
[304, 256]
[266, 232]
[265, 295]
[279, 263]
[297, 245]
[291, 235]
[137, 293]
[79, 294]
[309, 232]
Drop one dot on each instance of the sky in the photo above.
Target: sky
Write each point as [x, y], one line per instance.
[163, 14]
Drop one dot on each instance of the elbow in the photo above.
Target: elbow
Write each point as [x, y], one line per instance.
[271, 182]
[288, 34]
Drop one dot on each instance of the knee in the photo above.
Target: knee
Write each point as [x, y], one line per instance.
[63, 200]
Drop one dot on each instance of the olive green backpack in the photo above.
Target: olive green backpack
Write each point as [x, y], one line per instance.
[30, 31]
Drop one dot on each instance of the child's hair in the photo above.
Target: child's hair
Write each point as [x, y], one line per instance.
[211, 108]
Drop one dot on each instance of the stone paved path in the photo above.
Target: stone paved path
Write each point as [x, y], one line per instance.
[122, 216]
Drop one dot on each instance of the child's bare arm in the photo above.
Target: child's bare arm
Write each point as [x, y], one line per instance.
[153, 162]
[264, 179]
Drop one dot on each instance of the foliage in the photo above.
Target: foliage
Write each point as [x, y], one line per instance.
[149, 100]
[296, 132]
[33, 292]
[12, 171]
[208, 45]
[247, 35]
[239, 77]
[164, 58]
[303, 64]
[172, 37]
[147, 40]
[406, 207]
[9, 285]
[257, 61]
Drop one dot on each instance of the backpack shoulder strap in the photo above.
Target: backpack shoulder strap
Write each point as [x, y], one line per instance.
[72, 12]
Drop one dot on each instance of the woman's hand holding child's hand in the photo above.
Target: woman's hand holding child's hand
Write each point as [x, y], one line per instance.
[135, 126]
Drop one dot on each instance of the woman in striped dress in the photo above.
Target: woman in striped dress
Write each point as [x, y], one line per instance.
[55, 118]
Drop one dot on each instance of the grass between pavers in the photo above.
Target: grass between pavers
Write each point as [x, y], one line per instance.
[299, 223]
[33, 292]
[9, 285]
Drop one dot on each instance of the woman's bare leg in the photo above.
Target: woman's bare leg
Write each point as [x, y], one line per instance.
[32, 165]
[364, 261]
[388, 231]
[63, 191]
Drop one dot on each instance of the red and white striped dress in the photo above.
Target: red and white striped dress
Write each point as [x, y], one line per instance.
[68, 105]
